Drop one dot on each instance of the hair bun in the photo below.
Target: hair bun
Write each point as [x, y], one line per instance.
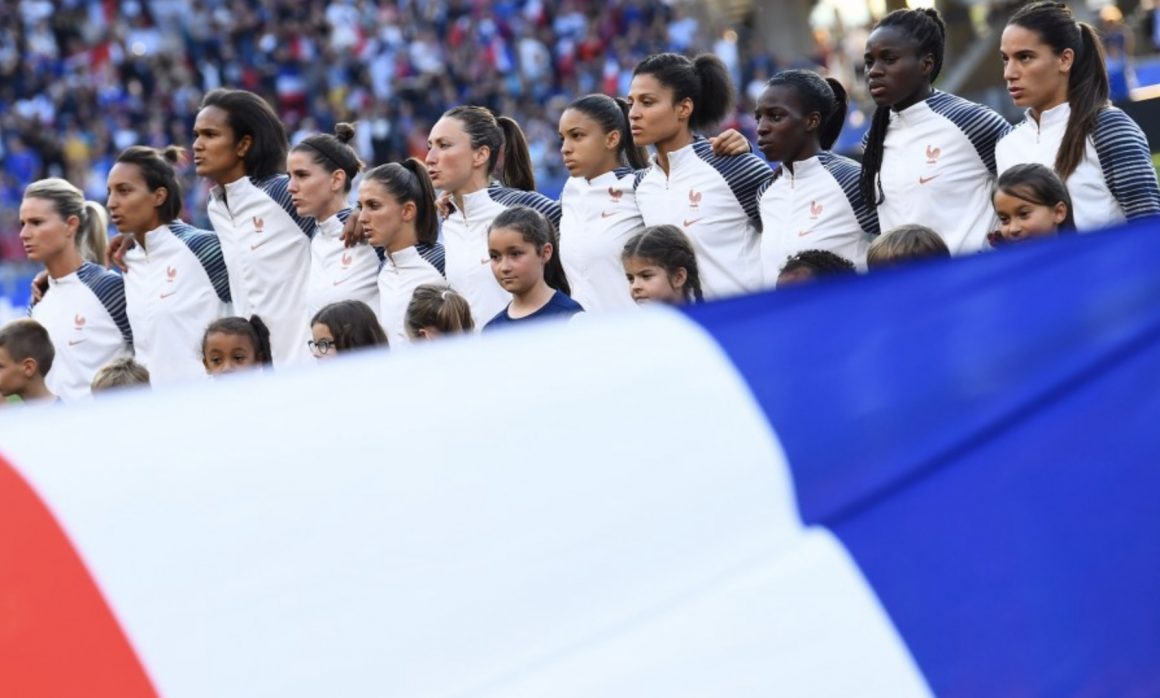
[344, 132]
[172, 154]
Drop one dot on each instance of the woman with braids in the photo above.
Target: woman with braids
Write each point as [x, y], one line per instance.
[929, 156]
[813, 201]
[396, 207]
[176, 282]
[240, 147]
[711, 198]
[84, 306]
[1054, 67]
[322, 169]
[465, 146]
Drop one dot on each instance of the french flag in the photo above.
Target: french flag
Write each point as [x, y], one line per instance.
[936, 481]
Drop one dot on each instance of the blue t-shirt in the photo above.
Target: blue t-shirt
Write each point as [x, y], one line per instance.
[559, 304]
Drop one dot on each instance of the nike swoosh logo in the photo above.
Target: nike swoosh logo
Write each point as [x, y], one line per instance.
[924, 180]
[254, 247]
[166, 295]
[71, 343]
[341, 281]
[690, 222]
[607, 214]
[485, 260]
[803, 233]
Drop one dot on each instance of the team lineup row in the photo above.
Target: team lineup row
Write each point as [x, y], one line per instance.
[703, 218]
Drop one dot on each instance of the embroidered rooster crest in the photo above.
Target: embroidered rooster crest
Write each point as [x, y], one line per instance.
[171, 272]
[79, 321]
[615, 194]
[815, 209]
[346, 260]
[694, 198]
[258, 224]
[932, 154]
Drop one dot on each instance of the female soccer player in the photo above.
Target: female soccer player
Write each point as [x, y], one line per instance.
[712, 198]
[465, 146]
[930, 156]
[322, 169]
[177, 282]
[84, 307]
[813, 201]
[240, 146]
[1054, 67]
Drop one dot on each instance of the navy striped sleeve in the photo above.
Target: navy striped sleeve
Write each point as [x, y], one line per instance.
[208, 249]
[277, 187]
[434, 255]
[532, 199]
[982, 126]
[847, 173]
[638, 176]
[109, 288]
[1127, 163]
[743, 173]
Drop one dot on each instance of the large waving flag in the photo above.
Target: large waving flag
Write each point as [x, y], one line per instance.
[941, 480]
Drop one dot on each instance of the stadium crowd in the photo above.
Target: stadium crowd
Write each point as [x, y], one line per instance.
[314, 254]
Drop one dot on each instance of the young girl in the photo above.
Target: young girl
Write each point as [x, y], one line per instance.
[1054, 67]
[523, 259]
[322, 169]
[437, 310]
[397, 211]
[813, 201]
[1031, 202]
[84, 307]
[712, 198]
[344, 326]
[464, 148]
[177, 281]
[930, 156]
[240, 147]
[661, 267]
[233, 344]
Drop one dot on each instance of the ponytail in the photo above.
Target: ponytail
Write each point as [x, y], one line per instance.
[1087, 83]
[93, 233]
[869, 181]
[516, 168]
[536, 229]
[704, 79]
[831, 126]
[409, 181]
[634, 155]
[438, 306]
[612, 115]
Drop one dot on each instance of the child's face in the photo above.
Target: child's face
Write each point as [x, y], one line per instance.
[514, 261]
[650, 283]
[13, 376]
[322, 345]
[227, 353]
[1020, 219]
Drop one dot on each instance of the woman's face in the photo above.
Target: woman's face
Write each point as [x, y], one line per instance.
[217, 154]
[896, 74]
[588, 151]
[381, 214]
[43, 232]
[652, 115]
[312, 189]
[783, 130]
[1036, 77]
[132, 206]
[451, 160]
